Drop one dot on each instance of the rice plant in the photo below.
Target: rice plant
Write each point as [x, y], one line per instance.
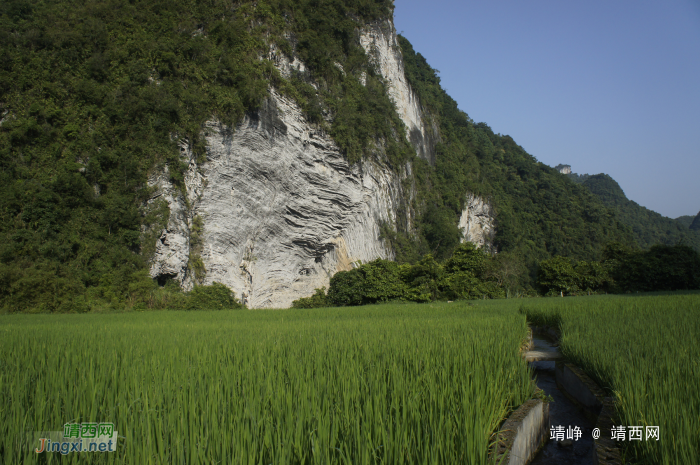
[386, 384]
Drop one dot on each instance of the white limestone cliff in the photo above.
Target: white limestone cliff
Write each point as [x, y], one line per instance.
[477, 222]
[282, 209]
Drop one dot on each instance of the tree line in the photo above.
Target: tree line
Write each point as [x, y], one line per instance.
[622, 269]
[470, 273]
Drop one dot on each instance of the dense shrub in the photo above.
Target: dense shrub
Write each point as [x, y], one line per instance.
[558, 275]
[215, 296]
[376, 281]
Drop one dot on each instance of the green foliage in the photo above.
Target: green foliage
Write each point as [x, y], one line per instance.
[467, 257]
[557, 275]
[317, 300]
[695, 225]
[593, 276]
[685, 220]
[376, 281]
[560, 275]
[464, 285]
[463, 276]
[408, 248]
[195, 262]
[661, 268]
[440, 230]
[141, 288]
[649, 228]
[156, 215]
[424, 280]
[577, 178]
[506, 269]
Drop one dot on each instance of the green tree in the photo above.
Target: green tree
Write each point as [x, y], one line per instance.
[507, 270]
[423, 279]
[468, 257]
[660, 268]
[557, 276]
[695, 225]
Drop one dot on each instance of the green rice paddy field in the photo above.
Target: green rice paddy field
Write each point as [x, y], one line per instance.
[389, 384]
[645, 351]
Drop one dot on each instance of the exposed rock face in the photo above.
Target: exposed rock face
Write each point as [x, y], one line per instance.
[380, 44]
[282, 209]
[563, 169]
[477, 222]
[173, 247]
[284, 64]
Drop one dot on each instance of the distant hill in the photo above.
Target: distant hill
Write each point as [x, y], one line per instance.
[695, 225]
[649, 228]
[686, 220]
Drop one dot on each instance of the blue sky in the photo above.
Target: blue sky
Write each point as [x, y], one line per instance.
[605, 86]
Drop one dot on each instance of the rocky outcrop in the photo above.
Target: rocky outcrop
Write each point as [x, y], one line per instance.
[382, 48]
[563, 169]
[477, 222]
[282, 62]
[173, 246]
[282, 209]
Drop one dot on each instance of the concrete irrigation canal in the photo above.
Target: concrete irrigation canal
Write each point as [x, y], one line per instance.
[559, 430]
[562, 411]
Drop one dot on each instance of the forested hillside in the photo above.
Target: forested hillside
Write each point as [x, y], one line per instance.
[649, 228]
[539, 213]
[97, 95]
